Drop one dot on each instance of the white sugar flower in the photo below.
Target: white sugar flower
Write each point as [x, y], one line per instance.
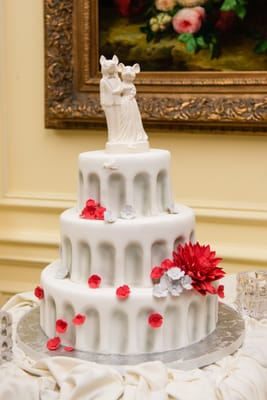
[159, 291]
[173, 209]
[111, 164]
[186, 282]
[175, 273]
[176, 289]
[109, 216]
[128, 212]
[61, 273]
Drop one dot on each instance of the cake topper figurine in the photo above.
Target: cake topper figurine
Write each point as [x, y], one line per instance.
[117, 98]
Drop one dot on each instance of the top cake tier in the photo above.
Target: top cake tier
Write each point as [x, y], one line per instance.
[138, 180]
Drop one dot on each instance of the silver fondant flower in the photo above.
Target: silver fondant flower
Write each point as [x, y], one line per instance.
[159, 291]
[61, 273]
[173, 209]
[176, 289]
[186, 282]
[128, 212]
[109, 216]
[111, 164]
[175, 273]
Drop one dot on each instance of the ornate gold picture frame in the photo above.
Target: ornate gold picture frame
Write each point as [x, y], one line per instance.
[217, 100]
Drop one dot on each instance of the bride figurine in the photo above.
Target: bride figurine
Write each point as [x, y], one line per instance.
[130, 125]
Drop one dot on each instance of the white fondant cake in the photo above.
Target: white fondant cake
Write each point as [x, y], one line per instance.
[116, 289]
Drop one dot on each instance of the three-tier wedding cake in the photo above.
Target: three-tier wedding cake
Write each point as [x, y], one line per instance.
[131, 278]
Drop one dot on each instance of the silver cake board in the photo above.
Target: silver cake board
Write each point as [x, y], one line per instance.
[225, 340]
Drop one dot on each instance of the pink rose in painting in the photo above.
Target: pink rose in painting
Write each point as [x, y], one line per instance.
[165, 5]
[188, 20]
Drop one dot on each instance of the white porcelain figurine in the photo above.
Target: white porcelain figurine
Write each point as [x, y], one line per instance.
[117, 97]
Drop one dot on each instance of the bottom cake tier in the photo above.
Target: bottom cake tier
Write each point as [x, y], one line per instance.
[96, 320]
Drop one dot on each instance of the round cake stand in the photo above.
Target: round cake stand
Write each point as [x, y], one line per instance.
[225, 340]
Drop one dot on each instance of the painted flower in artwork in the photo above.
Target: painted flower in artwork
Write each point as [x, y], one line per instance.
[197, 24]
[188, 20]
[165, 5]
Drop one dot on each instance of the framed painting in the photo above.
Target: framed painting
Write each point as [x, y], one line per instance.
[194, 87]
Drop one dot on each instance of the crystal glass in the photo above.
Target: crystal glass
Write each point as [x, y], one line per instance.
[251, 297]
[5, 336]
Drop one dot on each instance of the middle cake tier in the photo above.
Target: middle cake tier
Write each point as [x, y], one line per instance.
[123, 252]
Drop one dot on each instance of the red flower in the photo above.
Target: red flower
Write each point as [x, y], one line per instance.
[92, 210]
[123, 291]
[226, 21]
[188, 20]
[39, 292]
[123, 7]
[61, 326]
[156, 273]
[155, 320]
[167, 264]
[94, 281]
[68, 348]
[99, 212]
[220, 291]
[53, 344]
[79, 319]
[200, 263]
[129, 7]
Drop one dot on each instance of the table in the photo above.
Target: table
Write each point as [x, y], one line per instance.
[241, 376]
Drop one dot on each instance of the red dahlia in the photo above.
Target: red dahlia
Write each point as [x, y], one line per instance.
[200, 263]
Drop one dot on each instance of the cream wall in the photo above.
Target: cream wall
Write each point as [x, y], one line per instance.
[223, 176]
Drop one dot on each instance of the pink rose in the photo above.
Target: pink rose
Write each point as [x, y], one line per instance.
[165, 5]
[188, 20]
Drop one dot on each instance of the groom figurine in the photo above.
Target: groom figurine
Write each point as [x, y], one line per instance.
[109, 101]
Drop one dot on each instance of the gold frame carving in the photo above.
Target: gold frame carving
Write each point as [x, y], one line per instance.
[218, 100]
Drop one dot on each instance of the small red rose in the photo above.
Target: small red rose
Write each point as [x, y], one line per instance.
[123, 291]
[68, 348]
[167, 264]
[61, 326]
[92, 210]
[39, 292]
[94, 281]
[78, 319]
[220, 291]
[156, 273]
[155, 320]
[99, 212]
[53, 344]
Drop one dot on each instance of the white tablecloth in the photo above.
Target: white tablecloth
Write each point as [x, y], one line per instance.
[241, 376]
